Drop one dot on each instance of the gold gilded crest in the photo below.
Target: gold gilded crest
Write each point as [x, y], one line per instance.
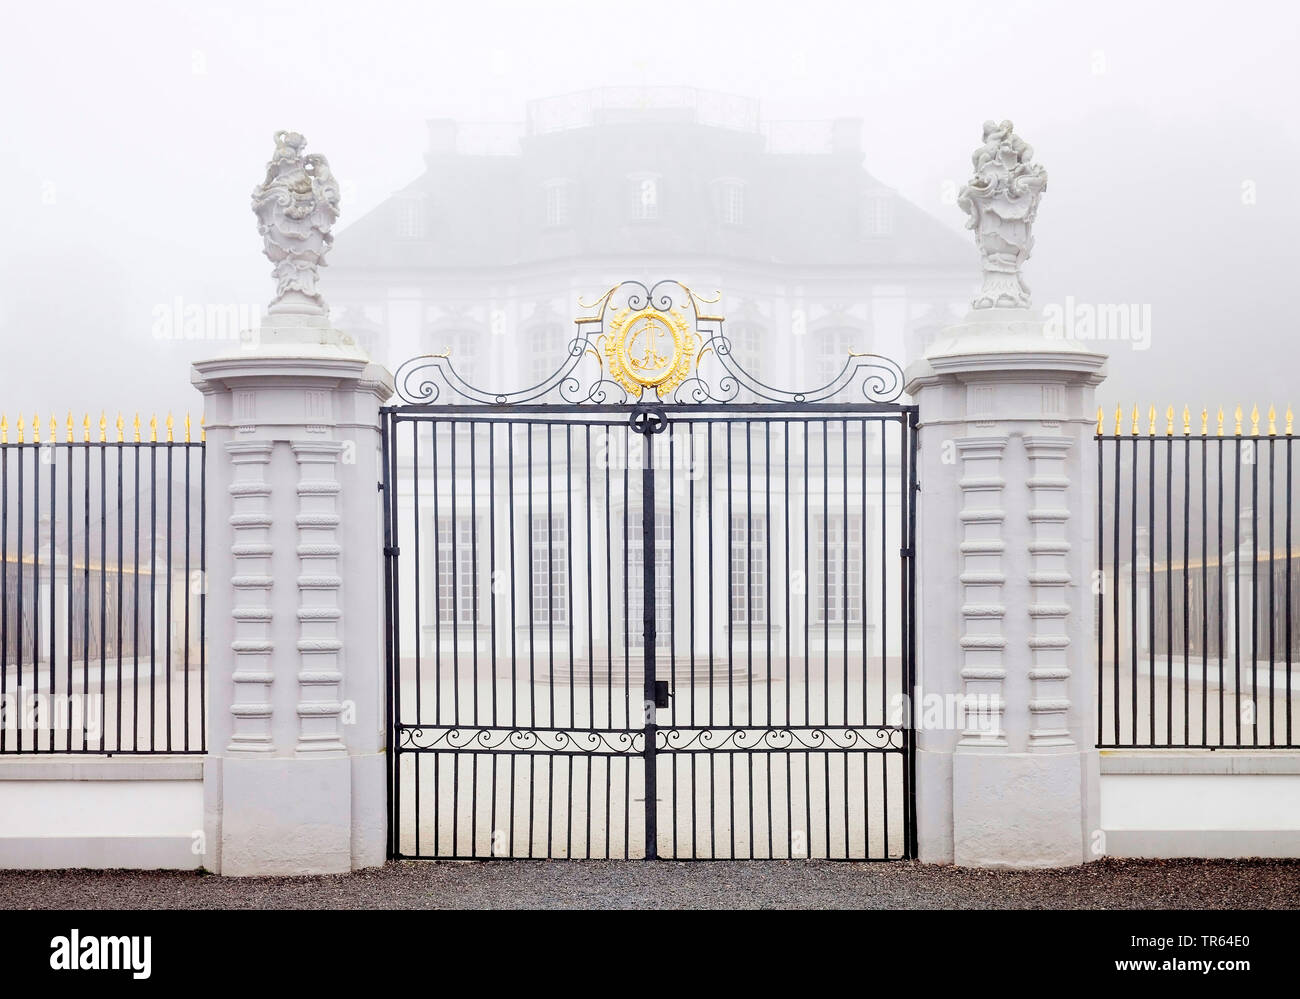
[649, 348]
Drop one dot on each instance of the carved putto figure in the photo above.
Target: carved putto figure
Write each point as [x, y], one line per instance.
[296, 205]
[1002, 202]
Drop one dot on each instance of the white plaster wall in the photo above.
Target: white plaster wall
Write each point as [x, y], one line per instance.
[142, 824]
[1200, 801]
[101, 808]
[1214, 805]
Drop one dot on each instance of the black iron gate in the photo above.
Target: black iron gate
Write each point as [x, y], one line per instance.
[652, 606]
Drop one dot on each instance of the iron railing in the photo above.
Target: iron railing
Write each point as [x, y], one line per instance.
[1198, 584]
[101, 583]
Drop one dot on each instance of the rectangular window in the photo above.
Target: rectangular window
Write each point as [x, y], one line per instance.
[731, 204]
[636, 582]
[550, 561]
[557, 203]
[877, 216]
[547, 353]
[645, 198]
[410, 223]
[748, 569]
[837, 571]
[833, 348]
[457, 580]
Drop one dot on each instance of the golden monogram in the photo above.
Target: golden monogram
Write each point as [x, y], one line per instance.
[648, 348]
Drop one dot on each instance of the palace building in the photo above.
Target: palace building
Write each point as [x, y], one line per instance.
[489, 250]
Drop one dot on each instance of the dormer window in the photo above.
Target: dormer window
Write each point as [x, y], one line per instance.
[729, 197]
[645, 197]
[557, 203]
[878, 215]
[410, 219]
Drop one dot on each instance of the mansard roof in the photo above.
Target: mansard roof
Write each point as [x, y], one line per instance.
[806, 206]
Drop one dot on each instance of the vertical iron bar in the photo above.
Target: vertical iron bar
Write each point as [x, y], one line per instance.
[1101, 589]
[648, 607]
[390, 739]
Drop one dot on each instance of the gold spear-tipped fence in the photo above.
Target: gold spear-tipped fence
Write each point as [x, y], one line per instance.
[21, 427]
[102, 566]
[1198, 558]
[1135, 428]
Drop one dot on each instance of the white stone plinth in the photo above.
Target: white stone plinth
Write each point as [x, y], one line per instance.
[295, 783]
[1006, 425]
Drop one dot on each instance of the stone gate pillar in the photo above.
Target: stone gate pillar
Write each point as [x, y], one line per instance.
[295, 779]
[1006, 527]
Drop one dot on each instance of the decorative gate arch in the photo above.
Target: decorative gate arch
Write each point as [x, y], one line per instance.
[651, 606]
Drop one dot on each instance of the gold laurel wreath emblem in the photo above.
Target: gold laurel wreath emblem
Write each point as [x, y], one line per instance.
[636, 350]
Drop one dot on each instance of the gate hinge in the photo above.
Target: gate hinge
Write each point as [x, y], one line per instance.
[379, 486]
[391, 551]
[904, 553]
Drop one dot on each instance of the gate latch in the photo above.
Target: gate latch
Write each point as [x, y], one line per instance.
[661, 694]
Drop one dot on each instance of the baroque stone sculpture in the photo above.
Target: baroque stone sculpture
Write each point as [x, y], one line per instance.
[296, 205]
[1002, 202]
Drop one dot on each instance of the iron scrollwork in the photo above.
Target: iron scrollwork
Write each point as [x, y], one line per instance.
[639, 342]
[525, 740]
[792, 739]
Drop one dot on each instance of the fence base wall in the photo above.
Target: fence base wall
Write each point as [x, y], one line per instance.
[1221, 804]
[101, 814]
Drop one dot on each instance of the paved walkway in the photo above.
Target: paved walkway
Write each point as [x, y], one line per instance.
[616, 885]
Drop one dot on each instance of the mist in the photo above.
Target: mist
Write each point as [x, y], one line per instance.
[135, 132]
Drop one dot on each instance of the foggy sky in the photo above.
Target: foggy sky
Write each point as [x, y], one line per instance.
[134, 133]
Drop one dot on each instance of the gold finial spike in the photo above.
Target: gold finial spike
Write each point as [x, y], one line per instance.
[187, 428]
[1135, 420]
[1237, 416]
[1289, 419]
[1187, 421]
[85, 427]
[136, 428]
[103, 426]
[1119, 420]
[203, 428]
[153, 428]
[1254, 419]
[118, 427]
[169, 428]
[1220, 421]
[1151, 421]
[54, 430]
[4, 430]
[1272, 421]
[1169, 422]
[36, 428]
[1205, 422]
[1099, 419]
[71, 427]
[20, 428]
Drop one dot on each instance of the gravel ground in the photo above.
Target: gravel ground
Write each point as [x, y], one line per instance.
[1106, 884]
